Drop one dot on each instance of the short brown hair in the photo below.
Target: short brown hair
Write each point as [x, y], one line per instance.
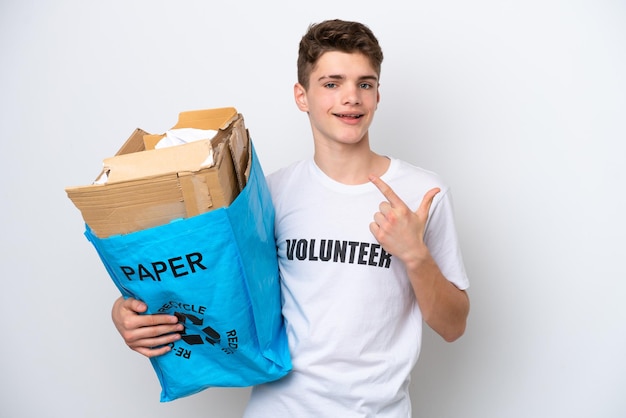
[336, 35]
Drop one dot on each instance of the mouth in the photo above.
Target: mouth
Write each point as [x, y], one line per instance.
[348, 115]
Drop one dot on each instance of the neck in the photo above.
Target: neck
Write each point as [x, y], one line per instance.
[351, 164]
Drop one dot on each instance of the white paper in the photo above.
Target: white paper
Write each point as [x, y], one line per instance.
[183, 136]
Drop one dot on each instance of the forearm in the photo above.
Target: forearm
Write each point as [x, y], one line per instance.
[399, 230]
[444, 307]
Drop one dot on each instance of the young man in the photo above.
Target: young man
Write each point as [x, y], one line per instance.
[358, 276]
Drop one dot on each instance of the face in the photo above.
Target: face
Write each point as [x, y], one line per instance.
[341, 99]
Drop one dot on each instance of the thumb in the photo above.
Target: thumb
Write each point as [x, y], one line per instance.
[135, 305]
[424, 208]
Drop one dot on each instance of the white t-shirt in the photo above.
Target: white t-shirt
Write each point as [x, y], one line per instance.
[352, 320]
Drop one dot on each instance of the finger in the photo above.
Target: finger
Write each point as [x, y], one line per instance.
[157, 331]
[159, 319]
[153, 352]
[384, 207]
[135, 305]
[379, 218]
[152, 336]
[136, 308]
[154, 347]
[387, 191]
[427, 202]
[374, 228]
[130, 304]
[136, 327]
[148, 326]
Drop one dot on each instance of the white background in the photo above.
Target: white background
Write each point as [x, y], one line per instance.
[519, 105]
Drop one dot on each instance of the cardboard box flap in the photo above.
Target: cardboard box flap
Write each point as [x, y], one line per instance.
[134, 143]
[213, 119]
[188, 157]
[217, 119]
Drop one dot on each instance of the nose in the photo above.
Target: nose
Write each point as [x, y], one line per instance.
[352, 96]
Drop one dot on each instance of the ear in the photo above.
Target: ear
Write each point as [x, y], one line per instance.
[299, 94]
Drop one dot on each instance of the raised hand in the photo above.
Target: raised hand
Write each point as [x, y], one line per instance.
[396, 227]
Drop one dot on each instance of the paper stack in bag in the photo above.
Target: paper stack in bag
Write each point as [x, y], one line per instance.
[189, 229]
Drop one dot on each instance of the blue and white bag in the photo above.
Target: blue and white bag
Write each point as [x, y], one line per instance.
[218, 273]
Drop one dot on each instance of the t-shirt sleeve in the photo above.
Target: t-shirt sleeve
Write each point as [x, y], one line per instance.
[442, 240]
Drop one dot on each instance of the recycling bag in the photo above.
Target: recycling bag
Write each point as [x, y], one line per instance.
[218, 273]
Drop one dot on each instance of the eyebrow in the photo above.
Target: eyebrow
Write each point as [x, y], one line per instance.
[342, 77]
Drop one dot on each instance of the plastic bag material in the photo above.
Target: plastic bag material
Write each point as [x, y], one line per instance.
[218, 273]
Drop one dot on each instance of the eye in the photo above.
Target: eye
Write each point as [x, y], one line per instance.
[330, 85]
[365, 86]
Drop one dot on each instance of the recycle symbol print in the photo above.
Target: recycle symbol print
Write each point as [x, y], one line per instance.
[210, 335]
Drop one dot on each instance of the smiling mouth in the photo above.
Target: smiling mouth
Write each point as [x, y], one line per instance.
[348, 116]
